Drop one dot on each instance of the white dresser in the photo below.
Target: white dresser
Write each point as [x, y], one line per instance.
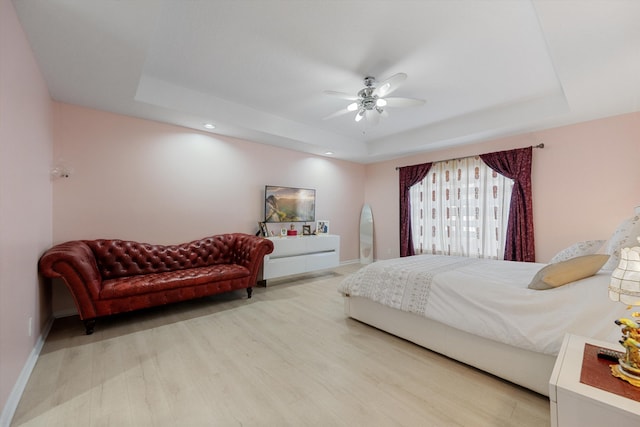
[301, 254]
[574, 404]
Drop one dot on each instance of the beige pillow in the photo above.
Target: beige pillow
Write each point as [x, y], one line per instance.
[561, 273]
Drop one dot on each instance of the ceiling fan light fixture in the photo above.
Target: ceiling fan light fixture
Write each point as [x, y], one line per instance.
[373, 99]
[352, 107]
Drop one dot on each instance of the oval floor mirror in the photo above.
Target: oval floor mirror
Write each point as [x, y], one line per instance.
[366, 235]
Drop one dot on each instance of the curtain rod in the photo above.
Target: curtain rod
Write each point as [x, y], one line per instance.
[541, 145]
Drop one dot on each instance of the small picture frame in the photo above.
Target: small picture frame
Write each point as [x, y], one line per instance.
[263, 229]
[283, 232]
[306, 230]
[322, 227]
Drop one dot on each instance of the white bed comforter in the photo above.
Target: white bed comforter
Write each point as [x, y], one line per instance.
[490, 298]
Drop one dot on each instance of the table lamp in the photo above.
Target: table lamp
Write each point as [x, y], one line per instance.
[625, 288]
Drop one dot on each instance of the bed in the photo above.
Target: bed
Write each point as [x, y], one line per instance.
[484, 313]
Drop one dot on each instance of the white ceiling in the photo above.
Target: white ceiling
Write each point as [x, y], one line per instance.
[257, 69]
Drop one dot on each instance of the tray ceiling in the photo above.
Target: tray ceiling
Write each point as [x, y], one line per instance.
[257, 69]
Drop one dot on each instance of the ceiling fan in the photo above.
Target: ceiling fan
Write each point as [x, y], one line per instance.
[371, 100]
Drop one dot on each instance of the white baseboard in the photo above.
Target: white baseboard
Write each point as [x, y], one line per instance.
[16, 393]
[354, 261]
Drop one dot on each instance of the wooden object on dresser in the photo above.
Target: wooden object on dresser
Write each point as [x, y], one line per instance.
[575, 403]
[300, 254]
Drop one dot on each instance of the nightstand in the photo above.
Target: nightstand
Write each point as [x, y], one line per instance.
[574, 403]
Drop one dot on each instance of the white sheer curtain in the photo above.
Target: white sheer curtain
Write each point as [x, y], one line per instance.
[461, 208]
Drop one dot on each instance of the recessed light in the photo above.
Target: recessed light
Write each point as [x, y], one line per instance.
[208, 126]
[329, 153]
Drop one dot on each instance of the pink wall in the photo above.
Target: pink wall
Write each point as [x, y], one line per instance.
[585, 182]
[26, 141]
[146, 181]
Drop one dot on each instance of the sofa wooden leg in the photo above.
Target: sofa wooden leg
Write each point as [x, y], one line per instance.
[89, 325]
[249, 292]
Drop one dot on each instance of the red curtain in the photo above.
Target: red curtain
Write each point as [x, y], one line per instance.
[516, 165]
[409, 176]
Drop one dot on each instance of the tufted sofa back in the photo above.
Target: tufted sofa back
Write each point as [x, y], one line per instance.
[119, 258]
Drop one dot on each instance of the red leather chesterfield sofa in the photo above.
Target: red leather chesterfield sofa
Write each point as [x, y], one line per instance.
[114, 276]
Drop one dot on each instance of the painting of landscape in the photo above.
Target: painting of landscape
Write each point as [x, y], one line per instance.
[287, 204]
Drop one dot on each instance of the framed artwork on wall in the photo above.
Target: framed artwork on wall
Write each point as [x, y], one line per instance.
[322, 227]
[288, 204]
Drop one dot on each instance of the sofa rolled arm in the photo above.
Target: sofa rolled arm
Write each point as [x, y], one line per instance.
[249, 251]
[75, 264]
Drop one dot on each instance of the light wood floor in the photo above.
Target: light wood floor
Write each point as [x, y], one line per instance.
[286, 357]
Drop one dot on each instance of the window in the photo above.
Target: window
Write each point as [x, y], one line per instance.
[461, 208]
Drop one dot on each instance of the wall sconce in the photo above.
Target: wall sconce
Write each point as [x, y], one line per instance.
[61, 171]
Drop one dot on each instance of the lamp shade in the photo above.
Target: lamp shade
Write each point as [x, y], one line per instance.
[625, 279]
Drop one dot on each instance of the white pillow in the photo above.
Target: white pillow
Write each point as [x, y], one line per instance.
[588, 247]
[625, 236]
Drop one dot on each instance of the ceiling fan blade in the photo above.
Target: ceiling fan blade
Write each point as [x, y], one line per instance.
[337, 114]
[342, 95]
[373, 117]
[395, 102]
[389, 85]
